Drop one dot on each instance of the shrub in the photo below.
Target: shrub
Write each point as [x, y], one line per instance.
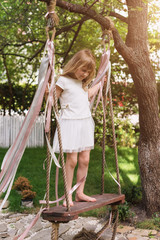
[28, 194]
[133, 194]
[21, 184]
[152, 223]
[124, 212]
[127, 134]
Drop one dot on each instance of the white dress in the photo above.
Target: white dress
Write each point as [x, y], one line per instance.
[76, 122]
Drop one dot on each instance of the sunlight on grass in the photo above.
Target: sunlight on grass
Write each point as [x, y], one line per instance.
[133, 177]
[127, 166]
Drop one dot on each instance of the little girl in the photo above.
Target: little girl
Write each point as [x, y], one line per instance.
[77, 125]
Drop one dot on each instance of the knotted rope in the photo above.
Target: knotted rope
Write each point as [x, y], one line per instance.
[104, 138]
[104, 103]
[61, 152]
[52, 17]
[48, 170]
[114, 140]
[54, 233]
[52, 22]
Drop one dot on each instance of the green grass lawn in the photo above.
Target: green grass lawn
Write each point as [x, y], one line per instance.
[31, 167]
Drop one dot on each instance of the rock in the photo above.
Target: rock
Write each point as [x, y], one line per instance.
[12, 232]
[12, 224]
[124, 229]
[144, 232]
[37, 227]
[3, 227]
[42, 235]
[6, 205]
[121, 238]
[63, 229]
[3, 235]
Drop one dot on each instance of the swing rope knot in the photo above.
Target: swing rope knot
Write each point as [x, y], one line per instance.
[51, 15]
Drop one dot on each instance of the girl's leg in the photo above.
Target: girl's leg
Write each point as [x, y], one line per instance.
[83, 162]
[71, 162]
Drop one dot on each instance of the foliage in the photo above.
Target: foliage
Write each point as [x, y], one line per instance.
[154, 36]
[28, 194]
[124, 211]
[22, 183]
[152, 223]
[126, 132]
[133, 194]
[22, 40]
[23, 96]
[124, 105]
[19, 41]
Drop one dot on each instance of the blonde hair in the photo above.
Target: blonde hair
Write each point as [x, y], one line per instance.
[83, 58]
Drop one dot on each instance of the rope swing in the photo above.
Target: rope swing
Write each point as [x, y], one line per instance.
[53, 20]
[61, 214]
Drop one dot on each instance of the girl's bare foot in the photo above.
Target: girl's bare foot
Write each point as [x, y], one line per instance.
[70, 202]
[84, 198]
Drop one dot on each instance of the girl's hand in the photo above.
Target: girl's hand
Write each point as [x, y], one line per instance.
[46, 93]
[47, 90]
[106, 78]
[93, 90]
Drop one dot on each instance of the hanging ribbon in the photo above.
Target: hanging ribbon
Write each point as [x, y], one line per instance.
[63, 197]
[103, 68]
[14, 154]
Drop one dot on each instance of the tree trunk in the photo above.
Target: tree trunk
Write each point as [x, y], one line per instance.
[146, 89]
[135, 53]
[149, 142]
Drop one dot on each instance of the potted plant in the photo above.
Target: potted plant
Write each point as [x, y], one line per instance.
[27, 197]
[23, 186]
[28, 194]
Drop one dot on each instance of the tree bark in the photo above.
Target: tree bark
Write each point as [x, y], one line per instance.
[135, 53]
[146, 89]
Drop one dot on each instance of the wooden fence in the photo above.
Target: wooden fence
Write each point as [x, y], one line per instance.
[9, 128]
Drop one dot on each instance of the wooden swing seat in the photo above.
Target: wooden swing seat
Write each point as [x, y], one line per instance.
[60, 214]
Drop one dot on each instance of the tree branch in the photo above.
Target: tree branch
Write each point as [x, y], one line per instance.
[58, 32]
[85, 10]
[39, 51]
[20, 44]
[73, 40]
[120, 17]
[105, 23]
[67, 28]
[15, 54]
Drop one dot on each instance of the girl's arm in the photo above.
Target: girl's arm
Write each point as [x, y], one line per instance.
[58, 92]
[93, 90]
